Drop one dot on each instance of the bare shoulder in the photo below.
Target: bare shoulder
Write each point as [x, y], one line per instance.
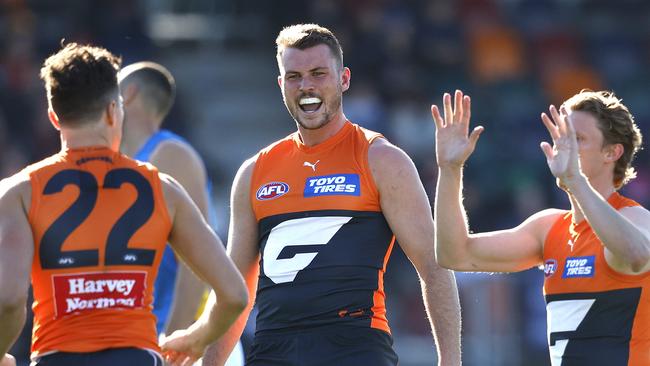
[177, 149]
[389, 162]
[549, 214]
[245, 172]
[540, 223]
[16, 187]
[172, 190]
[178, 158]
[382, 152]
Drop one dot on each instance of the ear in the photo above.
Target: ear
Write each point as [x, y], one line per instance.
[345, 78]
[129, 93]
[280, 81]
[111, 113]
[54, 119]
[614, 152]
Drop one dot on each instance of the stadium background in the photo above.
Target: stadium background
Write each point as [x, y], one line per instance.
[514, 57]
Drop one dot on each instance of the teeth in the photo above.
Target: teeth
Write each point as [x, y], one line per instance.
[309, 101]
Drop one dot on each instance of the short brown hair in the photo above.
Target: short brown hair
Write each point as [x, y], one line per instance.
[80, 81]
[156, 83]
[303, 36]
[617, 125]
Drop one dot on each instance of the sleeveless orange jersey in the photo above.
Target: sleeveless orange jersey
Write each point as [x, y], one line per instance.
[100, 224]
[324, 242]
[596, 315]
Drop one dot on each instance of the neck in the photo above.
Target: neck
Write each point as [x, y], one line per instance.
[85, 137]
[317, 136]
[138, 128]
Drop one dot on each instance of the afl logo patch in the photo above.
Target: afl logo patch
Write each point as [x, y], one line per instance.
[550, 266]
[272, 190]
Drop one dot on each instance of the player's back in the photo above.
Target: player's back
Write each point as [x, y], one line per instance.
[100, 224]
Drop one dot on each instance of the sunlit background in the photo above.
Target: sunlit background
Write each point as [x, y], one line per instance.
[514, 57]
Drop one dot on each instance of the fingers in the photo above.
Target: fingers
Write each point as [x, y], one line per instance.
[179, 359]
[559, 120]
[172, 357]
[476, 133]
[551, 127]
[564, 116]
[547, 149]
[458, 106]
[467, 110]
[437, 118]
[459, 112]
[449, 113]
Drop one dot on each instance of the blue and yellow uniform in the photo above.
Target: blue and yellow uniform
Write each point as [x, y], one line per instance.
[164, 288]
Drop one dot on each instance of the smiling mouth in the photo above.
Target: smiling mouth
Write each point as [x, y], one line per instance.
[310, 105]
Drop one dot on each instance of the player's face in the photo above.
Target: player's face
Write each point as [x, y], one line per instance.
[593, 155]
[312, 85]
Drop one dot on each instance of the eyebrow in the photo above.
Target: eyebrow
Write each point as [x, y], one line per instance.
[311, 70]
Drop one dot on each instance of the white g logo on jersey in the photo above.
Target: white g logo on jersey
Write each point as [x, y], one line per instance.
[564, 316]
[304, 231]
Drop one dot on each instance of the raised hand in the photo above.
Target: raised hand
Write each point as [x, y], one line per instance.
[562, 158]
[453, 144]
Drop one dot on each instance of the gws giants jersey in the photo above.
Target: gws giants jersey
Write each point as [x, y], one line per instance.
[323, 239]
[100, 225]
[596, 316]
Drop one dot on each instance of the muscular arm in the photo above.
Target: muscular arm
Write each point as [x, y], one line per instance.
[183, 163]
[16, 253]
[197, 245]
[243, 250]
[511, 250]
[624, 233]
[500, 251]
[406, 208]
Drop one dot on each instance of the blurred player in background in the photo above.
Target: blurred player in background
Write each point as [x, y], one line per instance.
[596, 256]
[312, 223]
[92, 224]
[148, 90]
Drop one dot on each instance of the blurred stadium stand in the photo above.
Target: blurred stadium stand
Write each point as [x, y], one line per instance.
[514, 57]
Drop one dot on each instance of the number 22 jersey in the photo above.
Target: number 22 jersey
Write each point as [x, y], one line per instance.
[323, 239]
[100, 225]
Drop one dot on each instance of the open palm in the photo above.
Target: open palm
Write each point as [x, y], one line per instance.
[453, 143]
[562, 158]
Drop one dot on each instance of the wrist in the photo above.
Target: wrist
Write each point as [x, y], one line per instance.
[575, 182]
[450, 166]
[200, 333]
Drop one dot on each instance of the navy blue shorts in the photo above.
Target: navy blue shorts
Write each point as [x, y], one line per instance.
[323, 346]
[107, 357]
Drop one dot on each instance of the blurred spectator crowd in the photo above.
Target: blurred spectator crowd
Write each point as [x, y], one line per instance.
[514, 57]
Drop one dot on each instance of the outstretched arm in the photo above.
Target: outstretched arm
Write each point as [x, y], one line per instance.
[243, 250]
[500, 251]
[406, 207]
[197, 245]
[624, 233]
[16, 253]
